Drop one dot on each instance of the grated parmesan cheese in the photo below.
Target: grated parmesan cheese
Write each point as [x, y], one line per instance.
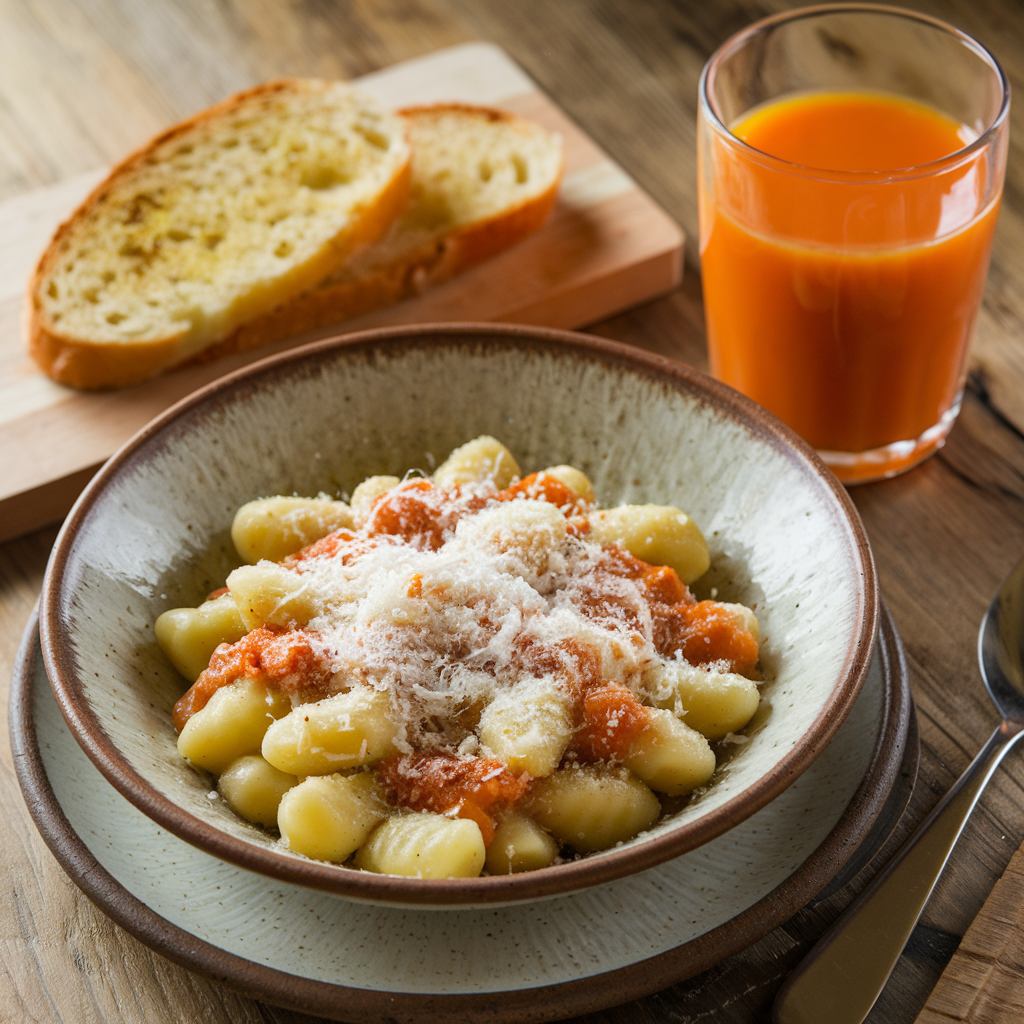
[446, 628]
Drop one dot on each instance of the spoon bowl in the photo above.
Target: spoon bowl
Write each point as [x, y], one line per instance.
[1001, 646]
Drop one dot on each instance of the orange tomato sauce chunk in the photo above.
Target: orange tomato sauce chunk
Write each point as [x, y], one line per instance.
[475, 788]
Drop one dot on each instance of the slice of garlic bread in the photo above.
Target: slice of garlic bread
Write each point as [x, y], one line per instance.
[212, 225]
[482, 179]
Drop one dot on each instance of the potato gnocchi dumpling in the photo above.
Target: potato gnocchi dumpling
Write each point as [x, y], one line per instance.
[330, 817]
[592, 806]
[424, 845]
[344, 731]
[520, 844]
[231, 725]
[266, 594]
[253, 789]
[529, 733]
[189, 636]
[474, 671]
[271, 528]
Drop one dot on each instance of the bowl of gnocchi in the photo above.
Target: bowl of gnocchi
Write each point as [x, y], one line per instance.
[458, 615]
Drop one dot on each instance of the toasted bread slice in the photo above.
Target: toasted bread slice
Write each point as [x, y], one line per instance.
[212, 224]
[482, 179]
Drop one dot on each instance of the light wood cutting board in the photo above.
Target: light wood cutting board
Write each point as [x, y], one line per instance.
[607, 246]
[984, 982]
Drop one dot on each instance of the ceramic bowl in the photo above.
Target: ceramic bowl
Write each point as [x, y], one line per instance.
[152, 532]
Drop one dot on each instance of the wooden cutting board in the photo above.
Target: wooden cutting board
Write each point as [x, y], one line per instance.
[607, 246]
[984, 982]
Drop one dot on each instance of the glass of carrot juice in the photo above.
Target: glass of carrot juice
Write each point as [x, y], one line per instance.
[850, 164]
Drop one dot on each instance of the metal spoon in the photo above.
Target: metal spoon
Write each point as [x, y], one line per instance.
[845, 972]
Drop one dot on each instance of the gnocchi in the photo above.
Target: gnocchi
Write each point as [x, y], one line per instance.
[345, 731]
[656, 533]
[593, 807]
[269, 595]
[529, 734]
[253, 789]
[330, 817]
[520, 844]
[474, 671]
[483, 458]
[270, 528]
[424, 845]
[189, 636]
[231, 725]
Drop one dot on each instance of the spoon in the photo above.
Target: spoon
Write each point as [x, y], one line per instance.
[844, 973]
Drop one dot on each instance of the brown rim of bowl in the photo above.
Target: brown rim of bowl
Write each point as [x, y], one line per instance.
[894, 753]
[562, 878]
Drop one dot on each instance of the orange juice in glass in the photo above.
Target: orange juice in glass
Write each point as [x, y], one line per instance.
[851, 159]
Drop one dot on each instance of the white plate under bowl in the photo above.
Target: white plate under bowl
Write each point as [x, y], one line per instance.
[541, 961]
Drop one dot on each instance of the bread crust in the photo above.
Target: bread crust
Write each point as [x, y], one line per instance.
[431, 264]
[92, 365]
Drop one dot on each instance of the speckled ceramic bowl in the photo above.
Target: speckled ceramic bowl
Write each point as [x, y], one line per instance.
[152, 532]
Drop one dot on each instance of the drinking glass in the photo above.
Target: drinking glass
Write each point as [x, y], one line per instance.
[844, 300]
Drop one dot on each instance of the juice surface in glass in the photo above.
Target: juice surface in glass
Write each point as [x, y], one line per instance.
[845, 303]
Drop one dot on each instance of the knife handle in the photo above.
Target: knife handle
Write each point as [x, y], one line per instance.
[844, 973]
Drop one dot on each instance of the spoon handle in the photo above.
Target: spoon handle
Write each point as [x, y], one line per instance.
[842, 976]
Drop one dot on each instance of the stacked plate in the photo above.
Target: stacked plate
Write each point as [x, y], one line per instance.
[810, 795]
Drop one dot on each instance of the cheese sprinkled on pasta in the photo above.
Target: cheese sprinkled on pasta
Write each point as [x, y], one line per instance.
[495, 607]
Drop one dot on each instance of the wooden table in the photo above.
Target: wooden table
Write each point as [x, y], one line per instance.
[83, 82]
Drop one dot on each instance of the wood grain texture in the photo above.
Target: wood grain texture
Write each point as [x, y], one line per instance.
[984, 982]
[83, 82]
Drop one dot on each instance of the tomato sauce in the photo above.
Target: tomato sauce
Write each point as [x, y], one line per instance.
[478, 788]
[575, 665]
[662, 584]
[415, 512]
[846, 308]
[545, 487]
[705, 633]
[284, 661]
[708, 633]
[340, 544]
[608, 718]
[612, 718]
